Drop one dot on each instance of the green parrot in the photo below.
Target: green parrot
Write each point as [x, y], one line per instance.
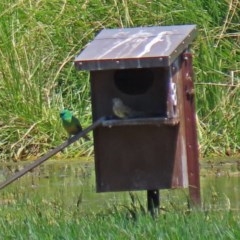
[70, 123]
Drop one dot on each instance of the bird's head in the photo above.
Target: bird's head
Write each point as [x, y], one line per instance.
[116, 101]
[65, 115]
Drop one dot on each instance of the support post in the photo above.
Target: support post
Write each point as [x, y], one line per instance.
[191, 130]
[153, 202]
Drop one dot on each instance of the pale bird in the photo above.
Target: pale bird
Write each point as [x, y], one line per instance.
[122, 111]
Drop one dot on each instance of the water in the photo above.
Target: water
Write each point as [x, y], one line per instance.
[73, 182]
[220, 183]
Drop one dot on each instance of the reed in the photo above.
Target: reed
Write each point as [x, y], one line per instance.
[39, 40]
[54, 219]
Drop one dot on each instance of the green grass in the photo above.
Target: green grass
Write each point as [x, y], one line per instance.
[57, 201]
[53, 220]
[39, 40]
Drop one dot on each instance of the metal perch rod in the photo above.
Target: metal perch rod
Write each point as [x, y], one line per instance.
[50, 153]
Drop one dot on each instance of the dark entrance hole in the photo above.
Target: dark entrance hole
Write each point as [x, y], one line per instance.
[134, 81]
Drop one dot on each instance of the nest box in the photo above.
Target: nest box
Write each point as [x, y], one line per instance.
[150, 70]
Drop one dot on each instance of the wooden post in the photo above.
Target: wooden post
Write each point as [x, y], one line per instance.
[191, 130]
[153, 202]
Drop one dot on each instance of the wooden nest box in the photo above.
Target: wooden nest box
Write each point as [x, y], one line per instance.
[150, 70]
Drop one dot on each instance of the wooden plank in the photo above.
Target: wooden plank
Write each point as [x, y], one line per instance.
[50, 154]
[191, 131]
[141, 121]
[136, 47]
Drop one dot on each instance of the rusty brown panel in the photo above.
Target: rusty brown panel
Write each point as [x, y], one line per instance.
[180, 166]
[134, 157]
[136, 47]
[191, 129]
